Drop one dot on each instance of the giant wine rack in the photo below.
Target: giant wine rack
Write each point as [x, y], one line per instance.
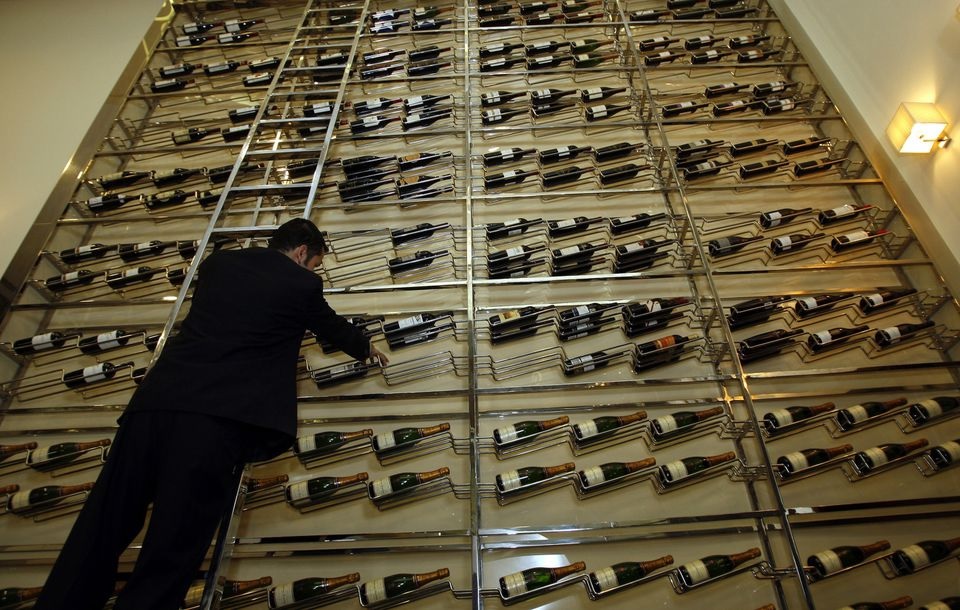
[540, 280]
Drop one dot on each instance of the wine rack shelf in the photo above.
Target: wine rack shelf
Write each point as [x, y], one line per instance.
[633, 240]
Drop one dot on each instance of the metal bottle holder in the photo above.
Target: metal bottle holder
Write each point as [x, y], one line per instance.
[434, 443]
[425, 367]
[593, 491]
[319, 601]
[810, 471]
[530, 490]
[564, 582]
[853, 474]
[885, 564]
[428, 590]
[93, 457]
[811, 576]
[264, 497]
[51, 383]
[802, 425]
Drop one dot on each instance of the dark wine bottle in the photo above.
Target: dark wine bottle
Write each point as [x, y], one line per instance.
[708, 56]
[311, 491]
[712, 91]
[796, 146]
[39, 343]
[624, 573]
[72, 279]
[520, 430]
[425, 118]
[870, 303]
[235, 37]
[749, 171]
[885, 337]
[894, 604]
[608, 424]
[755, 55]
[657, 42]
[704, 169]
[833, 336]
[585, 363]
[421, 159]
[371, 123]
[625, 224]
[509, 228]
[603, 473]
[501, 63]
[669, 425]
[383, 589]
[514, 479]
[712, 566]
[782, 216]
[850, 210]
[427, 67]
[541, 19]
[500, 48]
[803, 169]
[663, 57]
[917, 556]
[379, 71]
[699, 42]
[649, 14]
[90, 374]
[689, 466]
[947, 603]
[602, 111]
[929, 409]
[239, 25]
[793, 463]
[191, 41]
[498, 157]
[306, 588]
[40, 497]
[381, 55]
[750, 147]
[513, 176]
[404, 481]
[180, 69]
[850, 417]
[326, 442]
[870, 459]
[491, 117]
[793, 242]
[532, 579]
[775, 421]
[423, 101]
[104, 341]
[676, 109]
[838, 558]
[529, 8]
[495, 98]
[169, 85]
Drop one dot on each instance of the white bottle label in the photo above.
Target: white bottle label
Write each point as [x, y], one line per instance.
[515, 584]
[877, 456]
[371, 121]
[542, 92]
[183, 41]
[281, 596]
[632, 248]
[130, 273]
[582, 310]
[40, 454]
[593, 93]
[510, 252]
[857, 413]
[508, 434]
[711, 54]
[510, 480]
[830, 561]
[298, 491]
[843, 211]
[384, 441]
[624, 219]
[509, 174]
[599, 111]
[857, 236]
[666, 424]
[697, 571]
[165, 83]
[785, 243]
[411, 321]
[69, 277]
[797, 460]
[222, 38]
[375, 590]
[918, 557]
[932, 407]
[735, 104]
[42, 341]
[221, 67]
[143, 246]
[306, 444]
[593, 476]
[953, 450]
[19, 500]
[507, 155]
[823, 337]
[381, 487]
[515, 221]
[606, 579]
[677, 470]
[892, 334]
[568, 251]
[773, 218]
[320, 108]
[109, 340]
[782, 417]
[413, 119]
[807, 302]
[935, 606]
[587, 429]
[585, 361]
[94, 373]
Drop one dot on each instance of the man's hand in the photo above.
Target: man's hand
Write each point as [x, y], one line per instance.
[379, 356]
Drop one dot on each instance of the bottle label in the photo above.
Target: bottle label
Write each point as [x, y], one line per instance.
[585, 361]
[129, 273]
[892, 334]
[69, 277]
[593, 476]
[568, 251]
[785, 243]
[411, 321]
[857, 236]
[698, 572]
[932, 407]
[510, 252]
[844, 211]
[587, 429]
[593, 93]
[143, 246]
[952, 448]
[94, 373]
[515, 584]
[183, 41]
[877, 456]
[797, 460]
[42, 341]
[599, 111]
[917, 556]
[413, 119]
[381, 487]
[298, 491]
[830, 561]
[306, 444]
[857, 413]
[677, 470]
[823, 337]
[624, 220]
[282, 595]
[384, 441]
[19, 500]
[773, 218]
[510, 480]
[665, 424]
[606, 578]
[344, 369]
[376, 590]
[165, 83]
[782, 417]
[508, 434]
[935, 606]
[109, 340]
[415, 100]
[633, 247]
[40, 454]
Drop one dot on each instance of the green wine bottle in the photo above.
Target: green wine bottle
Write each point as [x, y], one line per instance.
[306, 588]
[60, 454]
[713, 565]
[531, 579]
[386, 588]
[910, 559]
[313, 490]
[835, 559]
[405, 480]
[681, 469]
[513, 479]
[326, 442]
[627, 572]
[612, 470]
[667, 425]
[524, 429]
[23, 501]
[405, 436]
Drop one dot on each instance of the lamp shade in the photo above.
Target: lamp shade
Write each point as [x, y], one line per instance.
[916, 127]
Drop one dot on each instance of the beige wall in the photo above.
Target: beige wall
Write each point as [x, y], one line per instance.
[59, 61]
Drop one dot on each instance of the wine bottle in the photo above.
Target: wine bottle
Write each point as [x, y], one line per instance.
[585, 363]
[224, 67]
[729, 245]
[510, 228]
[947, 603]
[689, 466]
[239, 25]
[260, 484]
[833, 560]
[850, 417]
[219, 175]
[780, 105]
[529, 8]
[708, 56]
[691, 13]
[754, 55]
[532, 579]
[90, 374]
[383, 589]
[303, 589]
[198, 27]
[208, 198]
[422, 119]
[491, 117]
[381, 55]
[498, 21]
[169, 85]
[946, 454]
[234, 37]
[514, 176]
[549, 46]
[834, 336]
[265, 64]
[423, 101]
[792, 463]
[401, 437]
[775, 421]
[373, 105]
[495, 98]
[613, 175]
[658, 42]
[793, 242]
[180, 69]
[599, 426]
[758, 169]
[541, 19]
[624, 573]
[413, 323]
[885, 337]
[499, 157]
[672, 110]
[871, 459]
[917, 556]
[625, 224]
[796, 146]
[782, 216]
[313, 490]
[371, 123]
[598, 475]
[12, 596]
[177, 174]
[704, 169]
[72, 279]
[500, 48]
[699, 42]
[501, 63]
[40, 497]
[871, 303]
[404, 481]
[191, 41]
[592, 60]
[808, 306]
[104, 341]
[849, 210]
[929, 409]
[514, 479]
[713, 566]
[8, 451]
[894, 604]
[750, 147]
[326, 442]
[602, 111]
[649, 14]
[231, 588]
[803, 169]
[663, 57]
[428, 67]
[669, 425]
[523, 429]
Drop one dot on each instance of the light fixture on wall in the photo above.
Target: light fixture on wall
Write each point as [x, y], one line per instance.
[917, 128]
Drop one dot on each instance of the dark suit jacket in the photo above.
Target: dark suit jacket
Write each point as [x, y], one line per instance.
[236, 353]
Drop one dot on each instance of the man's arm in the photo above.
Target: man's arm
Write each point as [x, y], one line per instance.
[325, 322]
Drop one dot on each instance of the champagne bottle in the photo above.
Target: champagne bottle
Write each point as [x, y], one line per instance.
[234, 37]
[602, 111]
[327, 442]
[883, 298]
[875, 457]
[776, 420]
[39, 343]
[894, 604]
[892, 335]
[40, 497]
[612, 470]
[523, 429]
[808, 306]
[514, 479]
[624, 573]
[491, 117]
[104, 341]
[397, 439]
[605, 425]
[405, 481]
[917, 556]
[672, 110]
[699, 42]
[253, 485]
[946, 454]
[850, 417]
[625, 224]
[668, 425]
[713, 566]
[495, 98]
[8, 451]
[316, 489]
[689, 466]
[729, 245]
[792, 463]
[11, 596]
[834, 336]
[383, 589]
[833, 560]
[947, 603]
[793, 242]
[532, 579]
[90, 374]
[231, 588]
[931, 408]
[53, 456]
[303, 589]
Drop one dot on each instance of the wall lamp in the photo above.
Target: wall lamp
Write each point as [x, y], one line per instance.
[917, 128]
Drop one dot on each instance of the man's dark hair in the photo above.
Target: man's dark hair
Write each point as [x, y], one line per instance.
[297, 232]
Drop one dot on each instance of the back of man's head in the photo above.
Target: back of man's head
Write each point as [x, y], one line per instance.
[298, 232]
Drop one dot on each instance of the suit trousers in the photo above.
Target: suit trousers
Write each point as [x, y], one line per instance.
[187, 465]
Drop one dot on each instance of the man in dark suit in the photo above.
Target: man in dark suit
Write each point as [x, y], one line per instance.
[222, 393]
